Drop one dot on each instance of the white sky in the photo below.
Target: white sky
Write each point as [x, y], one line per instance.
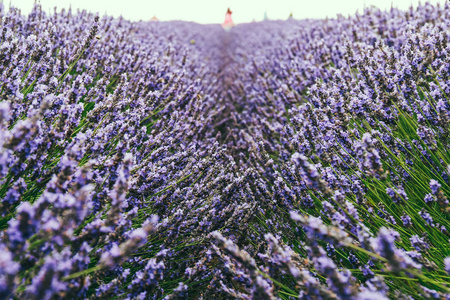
[213, 11]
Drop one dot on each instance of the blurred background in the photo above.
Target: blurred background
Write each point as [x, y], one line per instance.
[208, 11]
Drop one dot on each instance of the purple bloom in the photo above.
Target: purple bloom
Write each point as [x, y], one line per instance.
[397, 195]
[434, 186]
[427, 217]
[406, 220]
[429, 198]
[4, 112]
[7, 265]
[447, 264]
[418, 243]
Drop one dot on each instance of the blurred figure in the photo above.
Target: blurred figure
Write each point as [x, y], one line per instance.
[228, 23]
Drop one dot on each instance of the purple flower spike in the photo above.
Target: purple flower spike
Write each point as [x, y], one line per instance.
[434, 186]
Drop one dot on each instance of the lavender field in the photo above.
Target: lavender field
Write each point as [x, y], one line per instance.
[297, 159]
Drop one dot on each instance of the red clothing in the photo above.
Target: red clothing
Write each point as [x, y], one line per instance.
[228, 19]
[228, 23]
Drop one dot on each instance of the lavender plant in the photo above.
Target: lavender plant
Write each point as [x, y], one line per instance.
[283, 159]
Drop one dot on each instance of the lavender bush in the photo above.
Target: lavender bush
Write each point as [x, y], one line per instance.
[281, 160]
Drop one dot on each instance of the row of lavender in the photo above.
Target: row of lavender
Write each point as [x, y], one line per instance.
[346, 121]
[283, 159]
[99, 118]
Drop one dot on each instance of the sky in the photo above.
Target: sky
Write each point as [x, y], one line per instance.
[213, 11]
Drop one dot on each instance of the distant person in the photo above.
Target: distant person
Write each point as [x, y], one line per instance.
[228, 23]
